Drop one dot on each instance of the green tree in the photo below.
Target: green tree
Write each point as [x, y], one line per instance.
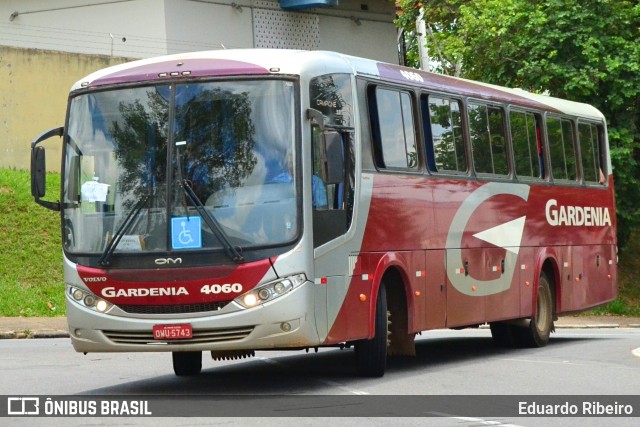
[582, 50]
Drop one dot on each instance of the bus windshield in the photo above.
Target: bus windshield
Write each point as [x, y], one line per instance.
[193, 166]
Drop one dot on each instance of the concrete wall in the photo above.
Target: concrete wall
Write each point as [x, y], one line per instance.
[46, 45]
[146, 28]
[34, 87]
[134, 29]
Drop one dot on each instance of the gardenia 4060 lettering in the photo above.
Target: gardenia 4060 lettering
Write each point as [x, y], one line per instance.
[227, 288]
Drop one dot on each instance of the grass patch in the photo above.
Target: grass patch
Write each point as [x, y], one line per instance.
[31, 280]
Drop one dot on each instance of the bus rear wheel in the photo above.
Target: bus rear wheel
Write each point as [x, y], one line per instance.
[187, 363]
[541, 325]
[371, 355]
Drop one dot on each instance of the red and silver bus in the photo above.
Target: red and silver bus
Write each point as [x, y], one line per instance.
[234, 201]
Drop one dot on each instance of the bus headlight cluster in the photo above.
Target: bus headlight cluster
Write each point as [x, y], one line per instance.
[88, 300]
[270, 291]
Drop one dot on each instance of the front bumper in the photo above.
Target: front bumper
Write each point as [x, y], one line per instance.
[287, 322]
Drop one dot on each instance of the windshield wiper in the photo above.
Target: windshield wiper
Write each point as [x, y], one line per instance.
[105, 259]
[214, 225]
[232, 251]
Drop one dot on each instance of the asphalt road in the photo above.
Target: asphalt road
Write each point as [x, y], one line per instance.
[594, 362]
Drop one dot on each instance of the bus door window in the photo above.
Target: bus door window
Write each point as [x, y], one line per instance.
[332, 180]
[328, 186]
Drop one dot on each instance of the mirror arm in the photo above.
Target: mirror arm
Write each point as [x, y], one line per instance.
[46, 135]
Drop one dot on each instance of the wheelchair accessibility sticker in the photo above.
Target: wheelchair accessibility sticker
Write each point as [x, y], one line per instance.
[186, 232]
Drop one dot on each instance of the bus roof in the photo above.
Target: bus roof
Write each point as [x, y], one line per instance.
[297, 62]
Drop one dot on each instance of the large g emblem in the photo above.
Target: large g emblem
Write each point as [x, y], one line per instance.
[507, 236]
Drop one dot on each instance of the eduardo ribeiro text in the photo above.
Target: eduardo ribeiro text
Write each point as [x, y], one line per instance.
[567, 408]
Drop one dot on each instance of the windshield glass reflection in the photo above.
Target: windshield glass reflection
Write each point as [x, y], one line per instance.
[231, 143]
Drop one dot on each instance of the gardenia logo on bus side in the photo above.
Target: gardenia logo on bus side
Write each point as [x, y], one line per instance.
[576, 215]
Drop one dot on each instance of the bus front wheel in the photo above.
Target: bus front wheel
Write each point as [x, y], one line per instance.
[187, 363]
[371, 355]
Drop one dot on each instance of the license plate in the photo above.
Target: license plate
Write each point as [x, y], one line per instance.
[172, 332]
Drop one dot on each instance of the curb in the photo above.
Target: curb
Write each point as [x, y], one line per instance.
[49, 334]
[33, 334]
[598, 326]
[591, 326]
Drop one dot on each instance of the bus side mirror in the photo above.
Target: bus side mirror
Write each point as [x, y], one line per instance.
[333, 157]
[39, 170]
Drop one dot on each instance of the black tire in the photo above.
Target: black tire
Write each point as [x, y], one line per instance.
[539, 329]
[187, 363]
[371, 355]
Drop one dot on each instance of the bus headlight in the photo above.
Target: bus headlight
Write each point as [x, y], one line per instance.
[249, 300]
[88, 300]
[102, 306]
[270, 291]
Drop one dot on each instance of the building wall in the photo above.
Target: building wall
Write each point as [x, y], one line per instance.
[134, 29]
[146, 28]
[34, 87]
[46, 45]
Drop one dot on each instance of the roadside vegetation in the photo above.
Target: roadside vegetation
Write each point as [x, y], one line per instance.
[582, 50]
[31, 281]
[628, 301]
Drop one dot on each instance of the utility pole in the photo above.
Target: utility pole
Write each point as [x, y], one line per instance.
[423, 49]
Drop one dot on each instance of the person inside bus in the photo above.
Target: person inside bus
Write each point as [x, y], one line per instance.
[318, 188]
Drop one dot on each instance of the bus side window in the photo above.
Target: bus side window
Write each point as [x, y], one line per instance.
[488, 142]
[541, 161]
[592, 169]
[525, 136]
[561, 148]
[443, 132]
[393, 131]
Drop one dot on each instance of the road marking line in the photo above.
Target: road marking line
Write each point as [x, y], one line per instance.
[347, 389]
[475, 420]
[484, 422]
[636, 352]
[564, 362]
[269, 361]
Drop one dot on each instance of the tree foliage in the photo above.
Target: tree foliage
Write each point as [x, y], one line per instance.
[582, 50]
[216, 122]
